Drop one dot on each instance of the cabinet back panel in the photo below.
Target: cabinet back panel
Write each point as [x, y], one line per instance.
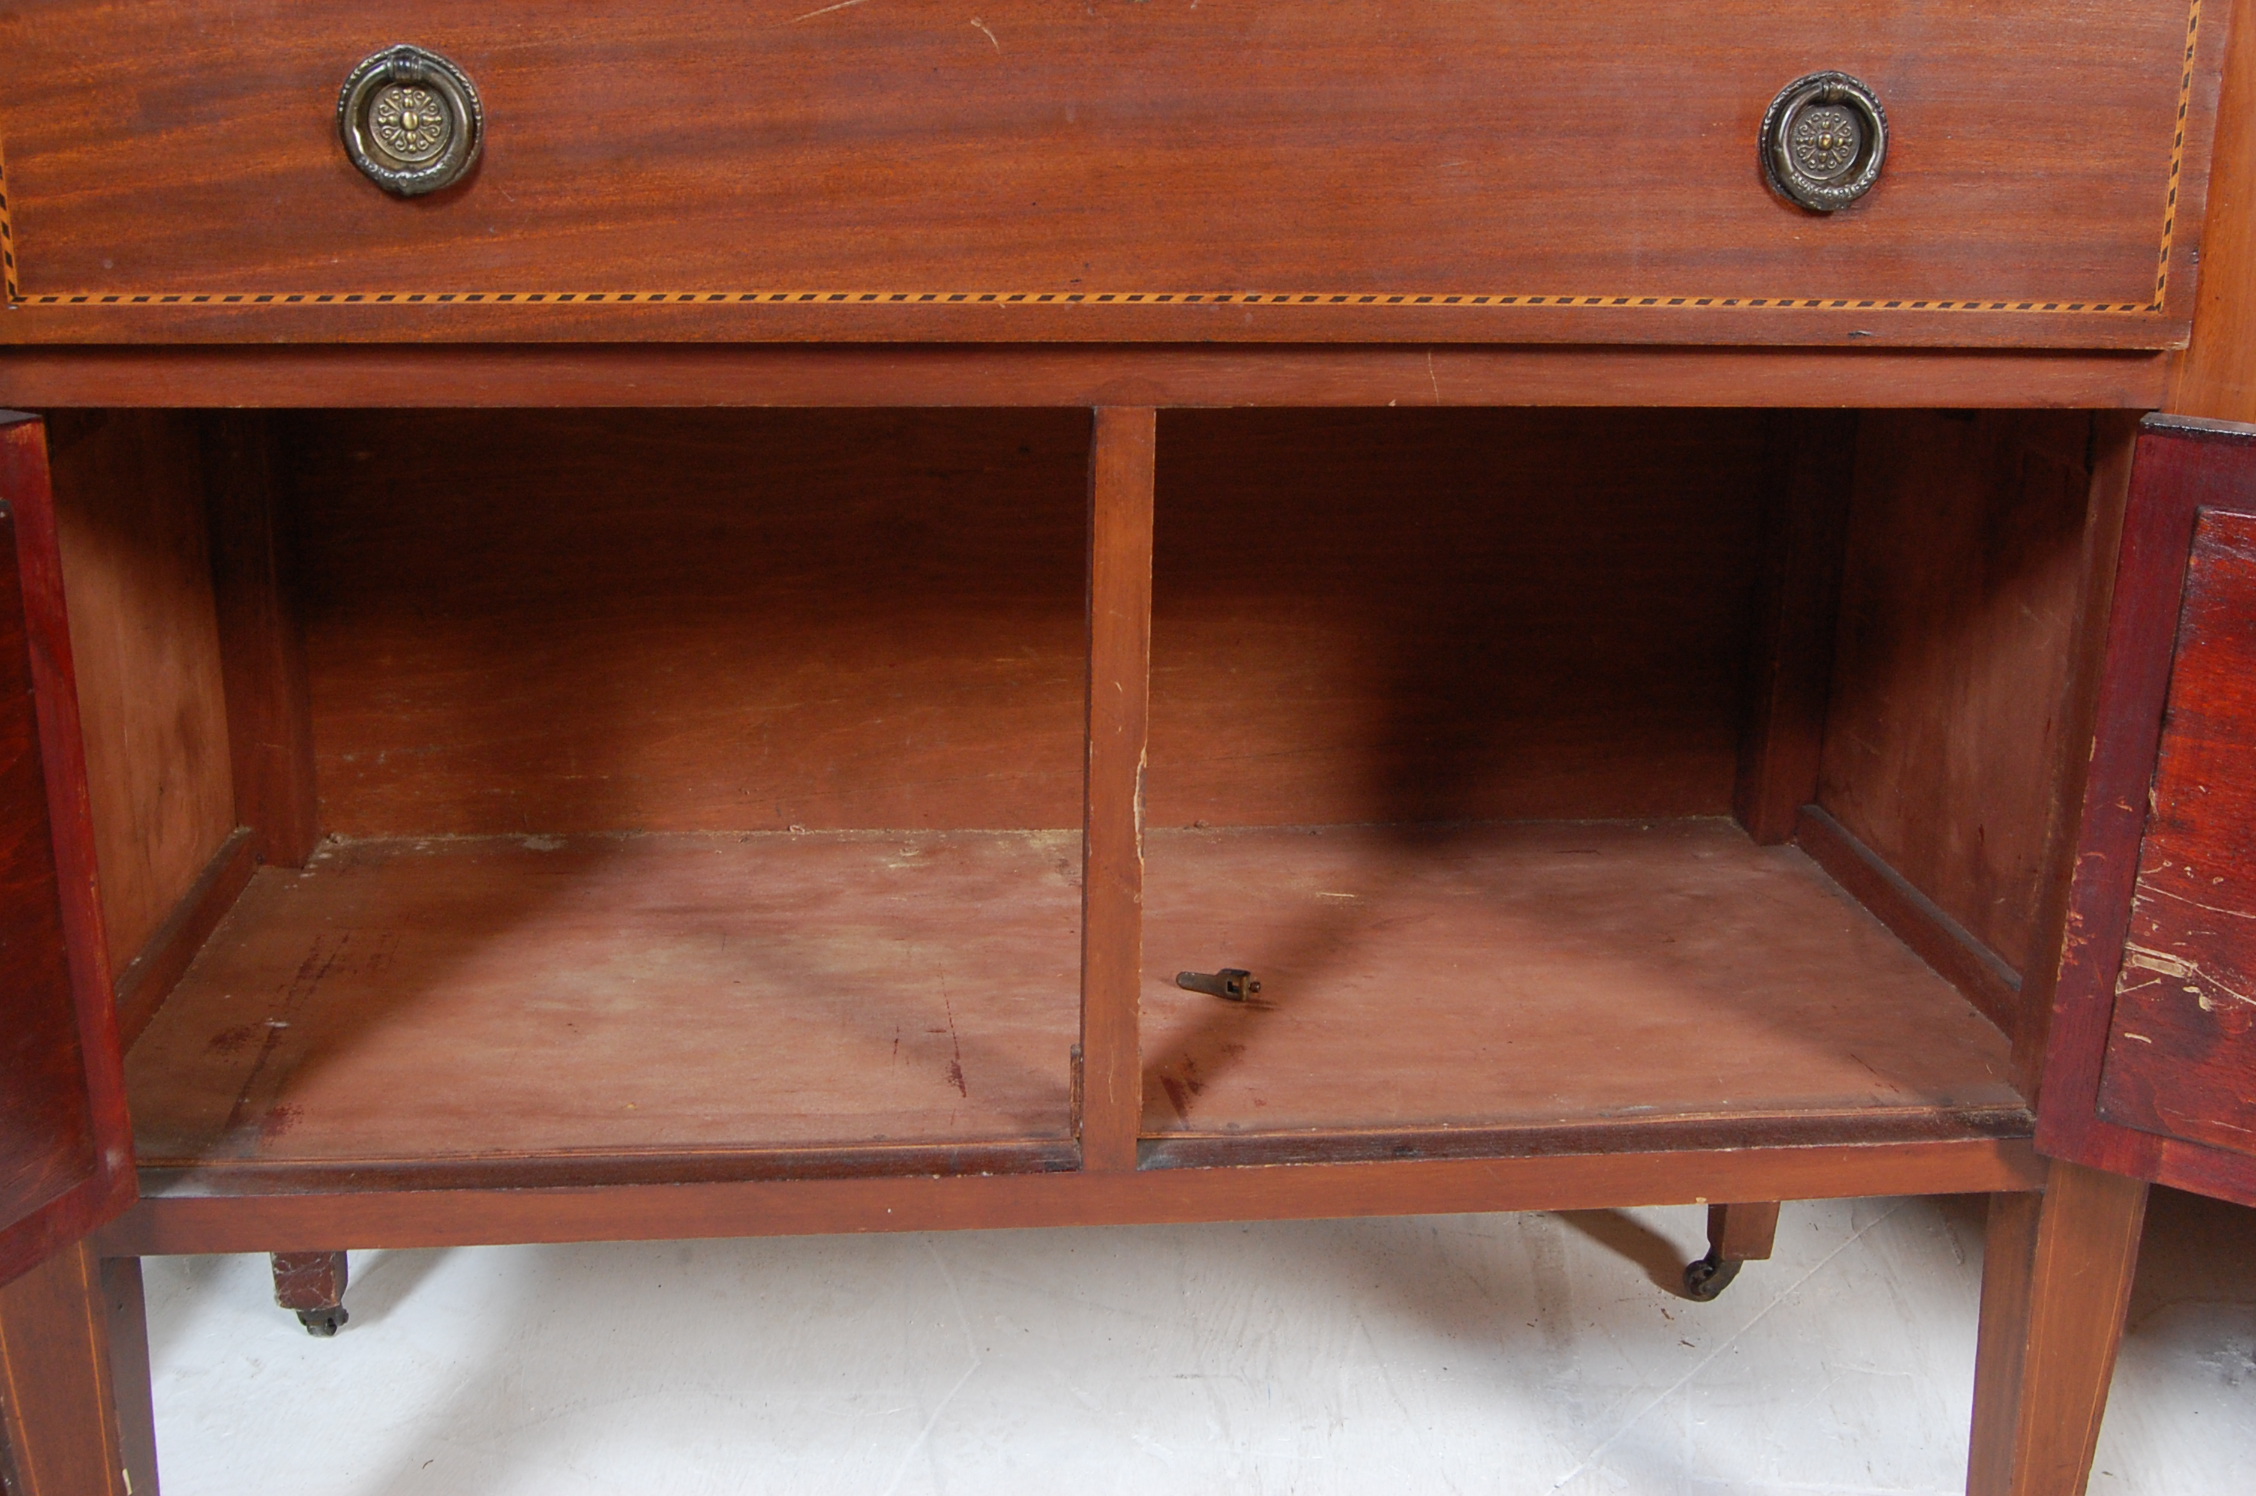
[1422, 616]
[689, 621]
[553, 623]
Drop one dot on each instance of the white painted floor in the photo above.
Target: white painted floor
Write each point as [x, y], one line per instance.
[1508, 1354]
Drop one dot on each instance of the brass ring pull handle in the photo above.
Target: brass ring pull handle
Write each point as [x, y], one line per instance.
[1824, 141]
[410, 120]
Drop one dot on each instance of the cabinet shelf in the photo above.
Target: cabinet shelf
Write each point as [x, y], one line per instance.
[1538, 986]
[610, 1007]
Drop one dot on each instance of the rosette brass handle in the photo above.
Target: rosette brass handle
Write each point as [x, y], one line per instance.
[410, 120]
[1824, 141]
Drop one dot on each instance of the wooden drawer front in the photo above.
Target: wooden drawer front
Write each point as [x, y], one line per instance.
[1489, 169]
[2181, 1046]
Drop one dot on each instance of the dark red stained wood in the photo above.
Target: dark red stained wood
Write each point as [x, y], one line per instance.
[65, 1149]
[1109, 1091]
[310, 1280]
[2183, 467]
[2181, 1050]
[693, 620]
[1235, 146]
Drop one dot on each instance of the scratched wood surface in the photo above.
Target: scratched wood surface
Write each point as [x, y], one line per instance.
[1596, 153]
[1531, 973]
[2181, 1047]
[2185, 468]
[490, 998]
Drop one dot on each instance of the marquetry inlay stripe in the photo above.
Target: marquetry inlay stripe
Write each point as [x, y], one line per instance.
[7, 237]
[1064, 298]
[2177, 153]
[1158, 298]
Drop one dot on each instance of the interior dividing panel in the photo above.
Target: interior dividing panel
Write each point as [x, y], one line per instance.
[691, 781]
[1446, 709]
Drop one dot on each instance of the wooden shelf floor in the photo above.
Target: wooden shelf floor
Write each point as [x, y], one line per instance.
[496, 998]
[583, 1003]
[1533, 975]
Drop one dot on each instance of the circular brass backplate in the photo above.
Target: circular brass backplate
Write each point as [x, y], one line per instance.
[410, 120]
[1824, 141]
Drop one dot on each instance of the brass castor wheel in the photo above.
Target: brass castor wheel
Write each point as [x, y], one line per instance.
[1710, 1276]
[323, 1322]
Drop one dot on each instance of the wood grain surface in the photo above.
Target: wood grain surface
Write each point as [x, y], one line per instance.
[1411, 616]
[47, 1142]
[1965, 575]
[1238, 168]
[144, 982]
[262, 643]
[707, 621]
[626, 375]
[1806, 490]
[1107, 1075]
[2056, 1282]
[184, 1217]
[130, 506]
[2183, 468]
[1534, 974]
[61, 1433]
[67, 1148]
[2181, 1049]
[493, 998]
[2216, 378]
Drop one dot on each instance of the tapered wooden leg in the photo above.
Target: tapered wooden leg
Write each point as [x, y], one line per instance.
[1737, 1234]
[313, 1285]
[2056, 1280]
[132, 1388]
[68, 1328]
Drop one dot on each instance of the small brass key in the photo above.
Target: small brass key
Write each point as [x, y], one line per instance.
[1230, 983]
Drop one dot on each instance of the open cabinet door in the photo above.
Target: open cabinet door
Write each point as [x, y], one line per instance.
[2151, 1065]
[66, 1148]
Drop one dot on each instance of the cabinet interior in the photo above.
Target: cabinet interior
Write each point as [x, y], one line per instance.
[699, 793]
